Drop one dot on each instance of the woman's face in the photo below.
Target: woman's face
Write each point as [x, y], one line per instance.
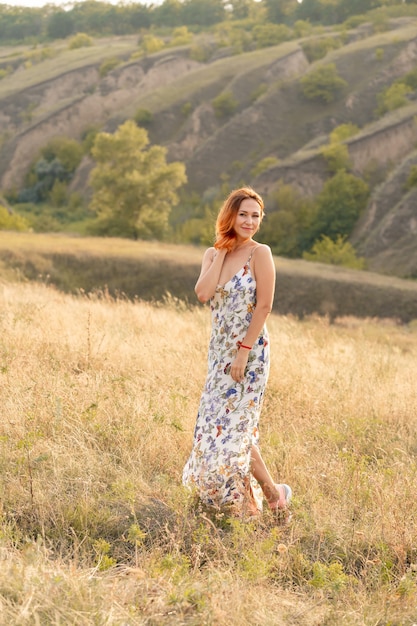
[248, 219]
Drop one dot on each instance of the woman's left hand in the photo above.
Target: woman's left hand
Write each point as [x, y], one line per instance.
[237, 370]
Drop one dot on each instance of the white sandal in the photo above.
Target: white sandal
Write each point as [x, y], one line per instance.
[285, 495]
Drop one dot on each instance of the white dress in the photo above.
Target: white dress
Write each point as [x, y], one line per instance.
[227, 421]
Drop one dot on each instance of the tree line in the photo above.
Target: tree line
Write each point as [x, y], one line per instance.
[101, 18]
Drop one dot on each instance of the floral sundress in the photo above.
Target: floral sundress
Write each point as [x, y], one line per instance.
[227, 421]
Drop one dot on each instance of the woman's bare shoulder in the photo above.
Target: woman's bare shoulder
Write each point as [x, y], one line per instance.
[262, 250]
[209, 253]
[208, 257]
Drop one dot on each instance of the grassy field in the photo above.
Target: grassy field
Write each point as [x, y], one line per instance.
[152, 271]
[99, 398]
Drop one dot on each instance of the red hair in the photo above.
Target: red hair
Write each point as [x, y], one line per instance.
[225, 234]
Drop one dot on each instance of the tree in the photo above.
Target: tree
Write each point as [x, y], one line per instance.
[345, 8]
[167, 14]
[202, 12]
[60, 25]
[137, 15]
[134, 187]
[274, 11]
[339, 205]
[310, 10]
[241, 8]
[288, 222]
[17, 23]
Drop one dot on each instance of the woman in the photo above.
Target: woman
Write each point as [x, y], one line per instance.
[238, 279]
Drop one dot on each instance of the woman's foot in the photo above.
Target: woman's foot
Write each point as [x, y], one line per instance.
[281, 499]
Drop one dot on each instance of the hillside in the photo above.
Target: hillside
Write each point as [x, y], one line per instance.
[67, 93]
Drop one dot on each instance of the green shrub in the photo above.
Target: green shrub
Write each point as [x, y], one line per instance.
[302, 28]
[343, 132]
[240, 40]
[379, 54]
[410, 79]
[316, 49]
[380, 22]
[108, 66]
[68, 151]
[88, 138]
[412, 177]
[330, 578]
[200, 53]
[151, 44]
[57, 161]
[143, 117]
[224, 104]
[40, 54]
[322, 84]
[264, 165]
[5, 71]
[355, 20]
[392, 98]
[271, 34]
[196, 230]
[334, 252]
[11, 221]
[181, 36]
[336, 156]
[80, 40]
[186, 109]
[236, 167]
[58, 193]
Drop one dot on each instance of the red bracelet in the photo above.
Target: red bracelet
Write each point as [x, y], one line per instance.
[241, 345]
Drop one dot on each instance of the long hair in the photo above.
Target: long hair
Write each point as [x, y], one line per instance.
[225, 234]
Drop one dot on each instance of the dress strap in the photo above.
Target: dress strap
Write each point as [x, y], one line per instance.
[251, 254]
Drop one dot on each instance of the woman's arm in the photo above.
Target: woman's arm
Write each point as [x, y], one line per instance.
[264, 272]
[211, 267]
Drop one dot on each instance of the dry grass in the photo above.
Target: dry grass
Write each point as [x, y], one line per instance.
[98, 400]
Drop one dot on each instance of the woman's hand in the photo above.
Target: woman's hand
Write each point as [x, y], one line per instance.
[211, 267]
[237, 370]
